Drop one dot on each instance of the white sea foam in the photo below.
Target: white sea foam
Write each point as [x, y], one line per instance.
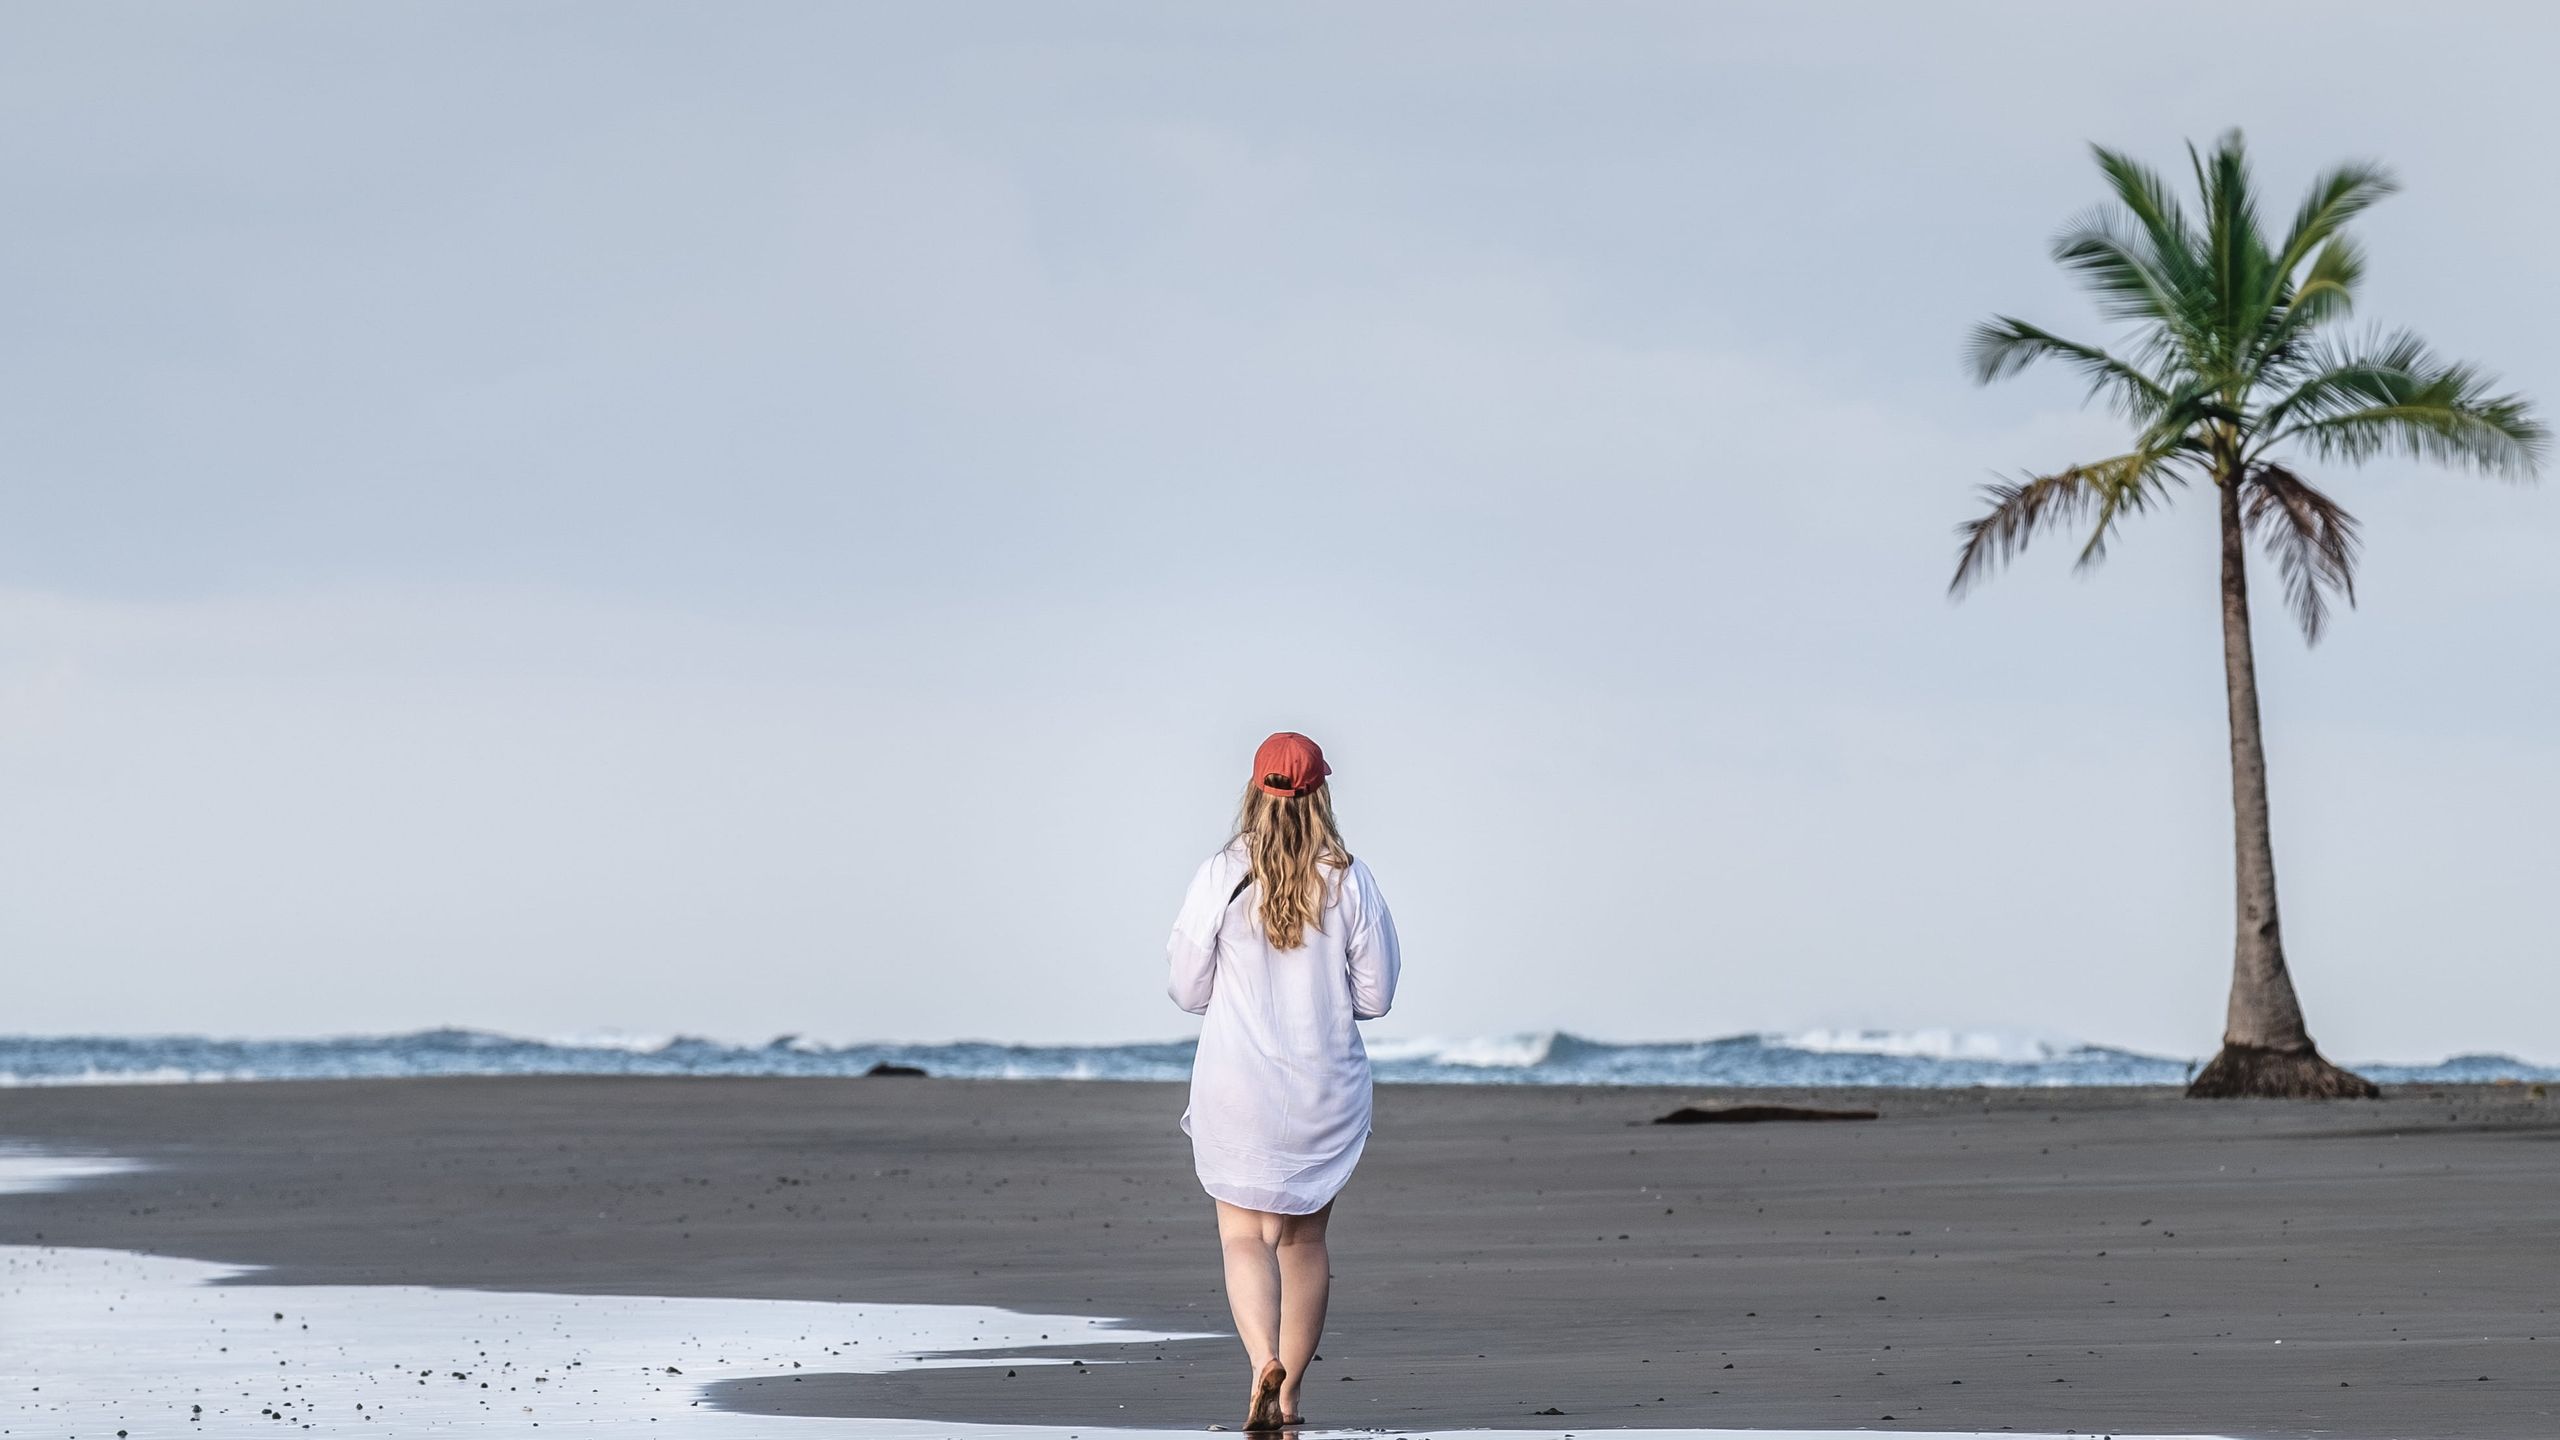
[1995, 1046]
[24, 1170]
[95, 1075]
[642, 1044]
[1484, 1052]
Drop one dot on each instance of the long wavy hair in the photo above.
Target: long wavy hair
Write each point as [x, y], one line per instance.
[1293, 842]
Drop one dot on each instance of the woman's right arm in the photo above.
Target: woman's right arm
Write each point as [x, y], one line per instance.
[1192, 953]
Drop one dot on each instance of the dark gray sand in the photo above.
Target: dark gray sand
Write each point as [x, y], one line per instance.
[2105, 1261]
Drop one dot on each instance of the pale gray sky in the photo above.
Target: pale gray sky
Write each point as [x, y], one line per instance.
[793, 517]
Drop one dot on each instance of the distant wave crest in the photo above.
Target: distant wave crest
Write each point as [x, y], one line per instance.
[1926, 1058]
[1484, 1052]
[1994, 1045]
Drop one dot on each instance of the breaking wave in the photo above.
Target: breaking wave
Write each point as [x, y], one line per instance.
[1892, 1058]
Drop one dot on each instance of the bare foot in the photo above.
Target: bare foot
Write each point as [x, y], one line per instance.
[1264, 1412]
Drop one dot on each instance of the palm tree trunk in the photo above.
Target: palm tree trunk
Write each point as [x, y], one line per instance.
[2266, 1050]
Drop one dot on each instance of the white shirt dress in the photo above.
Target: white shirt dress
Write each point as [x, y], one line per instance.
[1280, 1086]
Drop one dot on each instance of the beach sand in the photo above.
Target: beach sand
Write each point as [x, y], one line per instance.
[2101, 1261]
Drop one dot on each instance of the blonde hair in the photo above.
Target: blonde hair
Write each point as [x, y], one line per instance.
[1292, 841]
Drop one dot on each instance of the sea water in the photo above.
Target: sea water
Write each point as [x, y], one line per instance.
[1923, 1058]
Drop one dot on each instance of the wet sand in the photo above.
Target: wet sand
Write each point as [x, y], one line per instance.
[2100, 1261]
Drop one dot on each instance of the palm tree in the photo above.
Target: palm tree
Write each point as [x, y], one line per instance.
[2230, 368]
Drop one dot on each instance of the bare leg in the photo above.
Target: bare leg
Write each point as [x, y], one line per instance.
[1253, 1288]
[1279, 1276]
[1306, 1278]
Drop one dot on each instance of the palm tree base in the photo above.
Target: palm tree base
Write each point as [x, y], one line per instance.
[2254, 1072]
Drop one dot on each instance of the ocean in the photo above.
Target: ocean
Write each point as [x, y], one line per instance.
[1925, 1058]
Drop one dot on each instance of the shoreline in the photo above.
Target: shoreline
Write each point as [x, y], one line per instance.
[1505, 1250]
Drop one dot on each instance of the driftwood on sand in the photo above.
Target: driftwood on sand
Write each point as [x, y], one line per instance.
[1749, 1114]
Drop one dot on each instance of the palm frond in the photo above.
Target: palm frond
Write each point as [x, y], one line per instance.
[2004, 346]
[2400, 398]
[2335, 378]
[2128, 484]
[2139, 189]
[2240, 269]
[2020, 510]
[2327, 292]
[2311, 538]
[2499, 437]
[2334, 199]
[2131, 279]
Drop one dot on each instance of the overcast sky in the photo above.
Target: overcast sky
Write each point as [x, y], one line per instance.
[793, 518]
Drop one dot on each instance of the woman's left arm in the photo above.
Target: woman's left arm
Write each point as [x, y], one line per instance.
[1195, 974]
[1374, 960]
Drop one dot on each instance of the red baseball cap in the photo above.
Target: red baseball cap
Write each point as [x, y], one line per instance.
[1289, 764]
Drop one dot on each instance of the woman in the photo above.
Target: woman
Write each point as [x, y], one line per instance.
[1282, 943]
